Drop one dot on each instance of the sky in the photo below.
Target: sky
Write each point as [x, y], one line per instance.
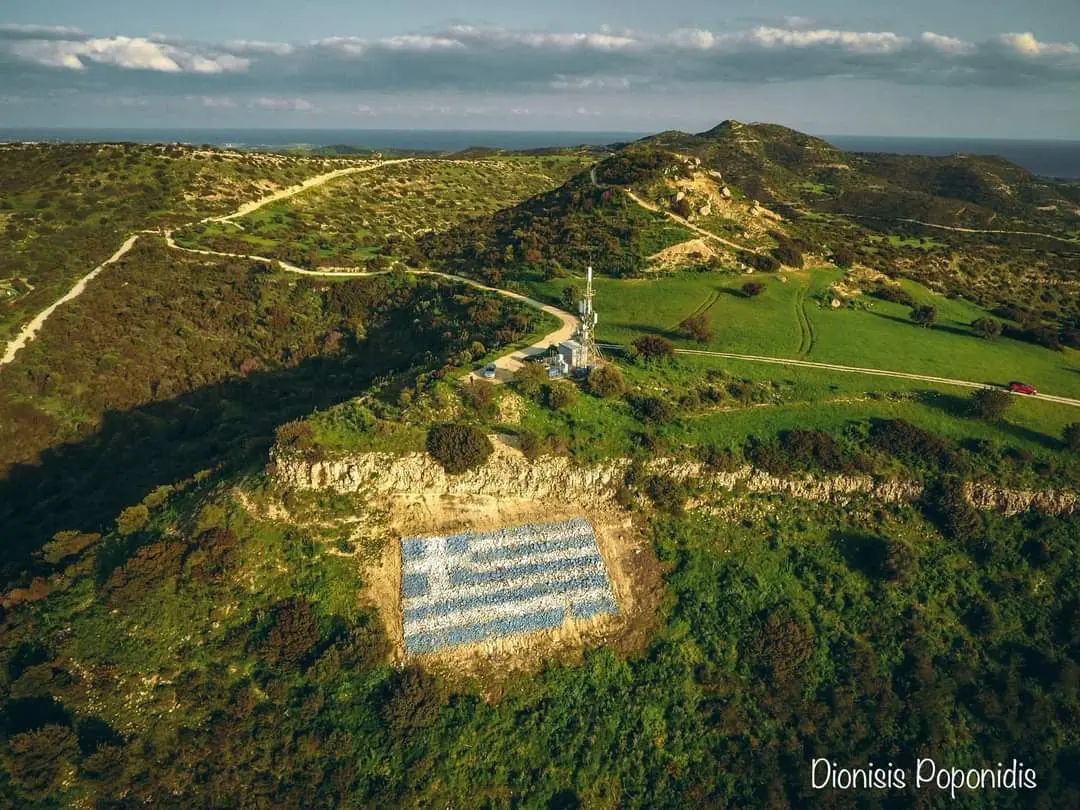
[969, 68]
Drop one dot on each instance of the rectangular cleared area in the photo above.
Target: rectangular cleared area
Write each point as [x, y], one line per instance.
[478, 586]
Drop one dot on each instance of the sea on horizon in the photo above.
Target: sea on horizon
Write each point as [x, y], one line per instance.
[1050, 158]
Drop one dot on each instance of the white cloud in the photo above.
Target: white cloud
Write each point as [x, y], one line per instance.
[473, 58]
[289, 104]
[947, 45]
[130, 53]
[214, 102]
[1028, 45]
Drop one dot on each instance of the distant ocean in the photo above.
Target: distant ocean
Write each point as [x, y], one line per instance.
[1046, 157]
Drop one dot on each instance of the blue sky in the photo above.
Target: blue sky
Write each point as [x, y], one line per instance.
[951, 67]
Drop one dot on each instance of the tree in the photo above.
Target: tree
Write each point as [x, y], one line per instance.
[481, 396]
[843, 256]
[752, 289]
[654, 347]
[990, 403]
[789, 255]
[667, 494]
[295, 632]
[457, 447]
[606, 381]
[132, 519]
[698, 327]
[561, 394]
[530, 378]
[1071, 436]
[924, 315]
[570, 296]
[37, 760]
[986, 328]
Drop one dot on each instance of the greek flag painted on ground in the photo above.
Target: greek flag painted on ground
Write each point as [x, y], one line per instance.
[485, 585]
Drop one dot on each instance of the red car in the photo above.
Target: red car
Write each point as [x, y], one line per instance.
[1022, 388]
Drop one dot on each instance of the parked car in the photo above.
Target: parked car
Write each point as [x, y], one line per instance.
[488, 371]
[1022, 388]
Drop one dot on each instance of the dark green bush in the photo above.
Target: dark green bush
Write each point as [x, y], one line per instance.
[458, 448]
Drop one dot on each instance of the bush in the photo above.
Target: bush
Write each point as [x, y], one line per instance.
[458, 448]
[132, 519]
[606, 381]
[990, 403]
[946, 505]
[924, 315]
[698, 327]
[759, 261]
[561, 394]
[752, 289]
[667, 494]
[893, 293]
[843, 256]
[653, 409]
[788, 255]
[912, 444]
[654, 347]
[1071, 436]
[531, 378]
[481, 396]
[986, 328]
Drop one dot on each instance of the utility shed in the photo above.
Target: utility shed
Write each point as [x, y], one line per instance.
[572, 353]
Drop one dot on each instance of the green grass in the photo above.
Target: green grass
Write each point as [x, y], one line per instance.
[875, 334]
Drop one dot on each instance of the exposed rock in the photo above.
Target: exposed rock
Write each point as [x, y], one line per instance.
[508, 474]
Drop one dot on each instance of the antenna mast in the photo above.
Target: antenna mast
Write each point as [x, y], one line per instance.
[590, 352]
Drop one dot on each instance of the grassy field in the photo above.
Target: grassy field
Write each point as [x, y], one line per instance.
[351, 220]
[792, 319]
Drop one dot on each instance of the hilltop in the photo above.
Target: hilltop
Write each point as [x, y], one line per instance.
[737, 194]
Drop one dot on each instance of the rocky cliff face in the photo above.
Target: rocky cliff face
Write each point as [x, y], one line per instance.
[508, 474]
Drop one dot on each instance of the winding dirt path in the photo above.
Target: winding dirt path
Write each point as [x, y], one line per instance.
[29, 332]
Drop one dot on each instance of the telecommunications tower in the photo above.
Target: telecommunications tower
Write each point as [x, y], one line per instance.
[586, 329]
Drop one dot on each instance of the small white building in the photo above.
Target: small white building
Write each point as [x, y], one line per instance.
[572, 353]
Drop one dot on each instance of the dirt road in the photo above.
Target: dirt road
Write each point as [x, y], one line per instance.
[28, 332]
[781, 361]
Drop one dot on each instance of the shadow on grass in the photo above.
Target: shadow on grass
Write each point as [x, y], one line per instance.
[939, 327]
[84, 485]
[961, 407]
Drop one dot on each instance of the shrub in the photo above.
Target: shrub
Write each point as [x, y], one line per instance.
[768, 457]
[912, 444]
[481, 396]
[813, 449]
[843, 256]
[654, 347]
[752, 289]
[760, 261]
[413, 702]
[924, 315]
[653, 409]
[132, 519]
[986, 328]
[294, 633]
[667, 494]
[894, 293]
[788, 255]
[457, 447]
[531, 378]
[721, 460]
[561, 394]
[606, 381]
[296, 435]
[1071, 436]
[946, 505]
[990, 403]
[698, 327]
